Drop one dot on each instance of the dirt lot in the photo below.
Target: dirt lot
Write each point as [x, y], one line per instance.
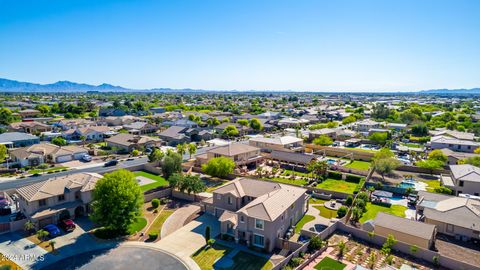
[458, 250]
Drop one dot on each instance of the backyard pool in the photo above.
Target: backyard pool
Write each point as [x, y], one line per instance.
[405, 185]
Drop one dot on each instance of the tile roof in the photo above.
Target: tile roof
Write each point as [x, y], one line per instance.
[233, 149]
[403, 225]
[465, 172]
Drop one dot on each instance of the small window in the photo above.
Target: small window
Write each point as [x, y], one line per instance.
[42, 202]
[61, 198]
[258, 240]
[219, 197]
[242, 219]
[460, 183]
[230, 201]
[259, 224]
[450, 228]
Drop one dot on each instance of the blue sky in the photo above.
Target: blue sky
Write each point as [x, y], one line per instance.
[224, 44]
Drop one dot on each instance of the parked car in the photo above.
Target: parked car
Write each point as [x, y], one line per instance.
[111, 163]
[52, 230]
[87, 158]
[67, 225]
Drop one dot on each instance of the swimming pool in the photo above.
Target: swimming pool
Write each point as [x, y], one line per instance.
[406, 185]
[331, 161]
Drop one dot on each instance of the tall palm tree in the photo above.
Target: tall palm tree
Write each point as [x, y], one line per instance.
[181, 148]
[192, 149]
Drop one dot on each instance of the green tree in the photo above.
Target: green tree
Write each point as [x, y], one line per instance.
[379, 137]
[171, 164]
[156, 155]
[117, 201]
[255, 124]
[219, 167]
[348, 120]
[3, 153]
[230, 131]
[181, 148]
[438, 155]
[323, 140]
[192, 149]
[430, 164]
[192, 184]
[6, 116]
[389, 243]
[59, 141]
[341, 248]
[420, 130]
[29, 226]
[243, 122]
[42, 235]
[52, 244]
[384, 162]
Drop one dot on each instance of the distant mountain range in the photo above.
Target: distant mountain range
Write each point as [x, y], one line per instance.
[67, 86]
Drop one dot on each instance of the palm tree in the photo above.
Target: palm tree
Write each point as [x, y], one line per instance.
[29, 226]
[371, 189]
[83, 139]
[41, 234]
[181, 148]
[192, 149]
[341, 249]
[52, 244]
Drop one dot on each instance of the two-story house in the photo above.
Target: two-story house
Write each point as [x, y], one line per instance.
[241, 154]
[257, 213]
[454, 144]
[57, 198]
[464, 178]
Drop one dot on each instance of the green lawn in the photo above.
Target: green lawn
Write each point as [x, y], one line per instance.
[305, 219]
[328, 263]
[290, 172]
[247, 261]
[325, 212]
[52, 169]
[160, 181]
[431, 184]
[412, 145]
[138, 225]
[316, 201]
[296, 182]
[372, 210]
[205, 258]
[158, 222]
[338, 185]
[363, 150]
[359, 165]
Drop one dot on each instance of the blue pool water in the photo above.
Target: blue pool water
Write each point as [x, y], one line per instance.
[406, 185]
[331, 161]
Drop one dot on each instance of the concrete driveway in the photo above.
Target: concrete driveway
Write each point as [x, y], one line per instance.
[179, 218]
[188, 239]
[20, 250]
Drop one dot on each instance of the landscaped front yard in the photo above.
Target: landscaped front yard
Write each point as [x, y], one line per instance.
[138, 225]
[159, 181]
[159, 220]
[338, 185]
[372, 211]
[358, 165]
[206, 258]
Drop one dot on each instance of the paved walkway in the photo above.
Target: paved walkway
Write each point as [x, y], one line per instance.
[188, 239]
[14, 245]
[312, 211]
[178, 219]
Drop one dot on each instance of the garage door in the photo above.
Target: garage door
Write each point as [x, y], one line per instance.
[79, 155]
[43, 222]
[64, 158]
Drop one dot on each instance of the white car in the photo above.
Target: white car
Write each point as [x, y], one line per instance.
[87, 158]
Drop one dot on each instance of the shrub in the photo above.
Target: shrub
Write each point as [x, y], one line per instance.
[349, 200]
[342, 211]
[353, 178]
[153, 236]
[155, 203]
[443, 190]
[315, 244]
[294, 262]
[211, 242]
[335, 175]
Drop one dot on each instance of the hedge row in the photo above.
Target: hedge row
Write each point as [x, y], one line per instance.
[335, 175]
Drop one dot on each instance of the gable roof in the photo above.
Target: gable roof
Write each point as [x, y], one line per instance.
[403, 225]
[58, 186]
[233, 149]
[465, 172]
[277, 140]
[16, 136]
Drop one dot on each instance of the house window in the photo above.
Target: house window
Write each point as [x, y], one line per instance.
[259, 224]
[242, 219]
[258, 240]
[291, 206]
[459, 146]
[230, 200]
[450, 228]
[42, 202]
[460, 183]
[61, 198]
[469, 147]
[219, 197]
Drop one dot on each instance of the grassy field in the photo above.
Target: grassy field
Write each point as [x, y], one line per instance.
[316, 201]
[338, 185]
[205, 258]
[296, 182]
[359, 165]
[290, 172]
[138, 225]
[159, 181]
[431, 184]
[305, 219]
[325, 212]
[328, 263]
[372, 211]
[247, 261]
[412, 145]
[158, 222]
